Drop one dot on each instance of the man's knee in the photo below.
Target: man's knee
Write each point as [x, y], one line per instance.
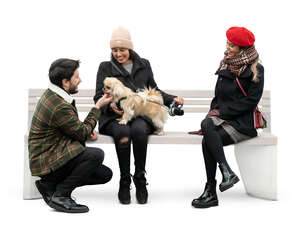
[107, 173]
[95, 154]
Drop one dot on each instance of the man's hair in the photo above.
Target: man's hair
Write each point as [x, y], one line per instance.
[62, 69]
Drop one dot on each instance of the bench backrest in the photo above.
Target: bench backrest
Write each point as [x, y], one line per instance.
[195, 101]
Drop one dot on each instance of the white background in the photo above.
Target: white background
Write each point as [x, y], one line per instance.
[184, 41]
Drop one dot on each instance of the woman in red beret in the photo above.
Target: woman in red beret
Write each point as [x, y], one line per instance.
[230, 119]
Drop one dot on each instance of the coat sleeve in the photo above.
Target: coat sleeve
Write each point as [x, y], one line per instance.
[247, 103]
[67, 121]
[214, 104]
[101, 75]
[166, 97]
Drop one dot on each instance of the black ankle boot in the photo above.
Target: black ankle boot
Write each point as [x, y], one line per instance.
[124, 190]
[229, 177]
[208, 198]
[140, 183]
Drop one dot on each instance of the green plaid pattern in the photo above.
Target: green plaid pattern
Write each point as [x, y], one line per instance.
[56, 133]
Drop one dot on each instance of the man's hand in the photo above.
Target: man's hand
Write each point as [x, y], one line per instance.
[116, 109]
[105, 99]
[94, 136]
[179, 100]
[214, 112]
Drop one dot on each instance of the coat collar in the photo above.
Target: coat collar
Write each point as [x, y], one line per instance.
[247, 73]
[60, 92]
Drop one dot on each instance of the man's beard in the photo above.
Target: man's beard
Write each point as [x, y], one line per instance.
[73, 90]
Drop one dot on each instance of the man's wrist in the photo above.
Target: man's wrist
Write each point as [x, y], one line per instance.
[97, 106]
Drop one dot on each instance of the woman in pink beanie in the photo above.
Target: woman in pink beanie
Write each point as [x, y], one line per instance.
[230, 119]
[135, 73]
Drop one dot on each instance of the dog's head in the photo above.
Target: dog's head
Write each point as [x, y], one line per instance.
[113, 87]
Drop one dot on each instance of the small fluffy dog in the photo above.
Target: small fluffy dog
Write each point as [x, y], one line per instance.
[147, 102]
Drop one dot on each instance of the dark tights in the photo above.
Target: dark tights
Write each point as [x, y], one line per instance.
[214, 138]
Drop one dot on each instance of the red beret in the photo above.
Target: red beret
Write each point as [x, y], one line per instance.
[240, 36]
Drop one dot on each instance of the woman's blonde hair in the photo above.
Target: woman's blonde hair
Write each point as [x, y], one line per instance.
[253, 68]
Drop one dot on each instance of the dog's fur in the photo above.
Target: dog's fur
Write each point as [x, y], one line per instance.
[146, 102]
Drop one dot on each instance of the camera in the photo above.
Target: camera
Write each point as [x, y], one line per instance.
[175, 109]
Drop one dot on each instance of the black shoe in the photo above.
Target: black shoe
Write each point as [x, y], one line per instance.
[45, 189]
[208, 198]
[66, 204]
[140, 182]
[124, 190]
[229, 177]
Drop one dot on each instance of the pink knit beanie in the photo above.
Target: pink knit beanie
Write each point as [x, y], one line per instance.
[121, 38]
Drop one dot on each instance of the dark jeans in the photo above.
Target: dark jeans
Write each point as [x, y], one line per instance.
[84, 169]
[135, 132]
[214, 138]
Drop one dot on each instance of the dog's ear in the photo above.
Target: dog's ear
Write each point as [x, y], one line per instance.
[118, 90]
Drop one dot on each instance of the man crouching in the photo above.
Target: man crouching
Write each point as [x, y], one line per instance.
[57, 137]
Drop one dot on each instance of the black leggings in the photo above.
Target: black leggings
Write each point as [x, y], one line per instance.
[137, 132]
[214, 138]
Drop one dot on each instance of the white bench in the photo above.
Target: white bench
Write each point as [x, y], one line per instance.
[256, 158]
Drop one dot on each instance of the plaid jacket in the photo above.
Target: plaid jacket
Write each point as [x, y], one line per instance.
[56, 133]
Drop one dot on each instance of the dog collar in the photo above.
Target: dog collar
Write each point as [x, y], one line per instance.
[118, 104]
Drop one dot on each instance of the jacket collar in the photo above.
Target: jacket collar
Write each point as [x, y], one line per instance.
[247, 73]
[60, 92]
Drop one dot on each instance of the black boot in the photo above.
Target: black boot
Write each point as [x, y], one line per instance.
[229, 177]
[140, 182]
[64, 203]
[124, 190]
[208, 198]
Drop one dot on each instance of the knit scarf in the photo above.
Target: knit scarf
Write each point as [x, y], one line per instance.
[238, 63]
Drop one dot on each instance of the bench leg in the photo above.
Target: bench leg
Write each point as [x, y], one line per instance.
[29, 189]
[258, 168]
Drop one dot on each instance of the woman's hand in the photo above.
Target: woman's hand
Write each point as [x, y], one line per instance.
[116, 109]
[179, 100]
[214, 112]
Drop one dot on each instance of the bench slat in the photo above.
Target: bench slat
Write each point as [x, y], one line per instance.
[183, 93]
[90, 101]
[186, 109]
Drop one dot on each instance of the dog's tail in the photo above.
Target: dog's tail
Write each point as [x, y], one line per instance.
[152, 95]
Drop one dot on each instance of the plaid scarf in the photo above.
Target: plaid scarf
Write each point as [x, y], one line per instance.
[238, 63]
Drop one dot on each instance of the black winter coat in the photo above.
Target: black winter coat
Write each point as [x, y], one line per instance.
[233, 105]
[140, 77]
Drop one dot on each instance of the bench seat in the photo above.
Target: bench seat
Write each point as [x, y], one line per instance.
[185, 138]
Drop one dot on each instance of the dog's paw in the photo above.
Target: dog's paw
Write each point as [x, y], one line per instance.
[124, 122]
